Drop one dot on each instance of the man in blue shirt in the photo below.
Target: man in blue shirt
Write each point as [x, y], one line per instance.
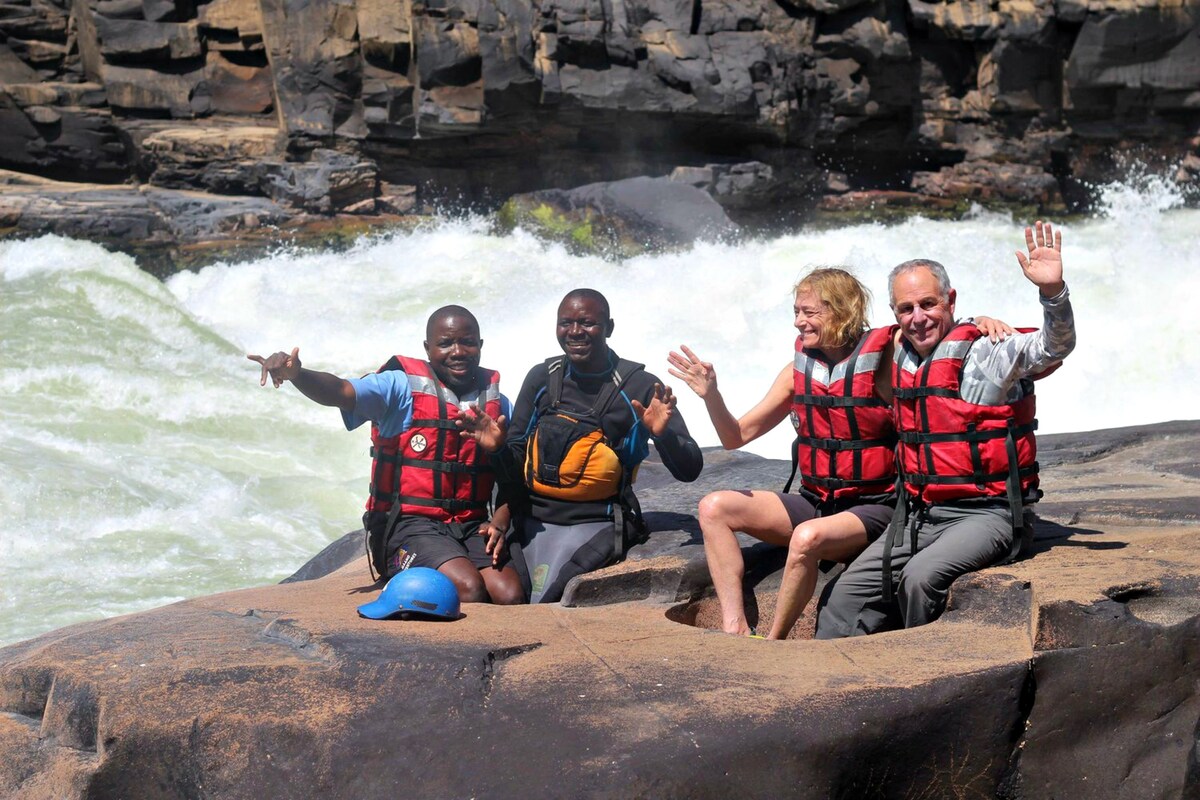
[431, 485]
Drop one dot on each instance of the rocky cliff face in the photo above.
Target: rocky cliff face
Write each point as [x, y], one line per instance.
[1016, 101]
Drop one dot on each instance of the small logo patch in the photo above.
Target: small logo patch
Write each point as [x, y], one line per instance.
[401, 560]
[540, 573]
[418, 443]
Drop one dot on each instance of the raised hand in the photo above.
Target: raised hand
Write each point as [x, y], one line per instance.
[489, 433]
[656, 415]
[280, 366]
[1043, 266]
[699, 375]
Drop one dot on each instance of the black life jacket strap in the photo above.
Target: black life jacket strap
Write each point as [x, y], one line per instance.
[389, 458]
[971, 434]
[917, 392]
[837, 401]
[958, 480]
[842, 483]
[1012, 486]
[440, 424]
[629, 527]
[845, 444]
[447, 505]
[445, 466]
[795, 465]
[893, 537]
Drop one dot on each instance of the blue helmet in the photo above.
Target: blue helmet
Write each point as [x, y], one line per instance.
[419, 590]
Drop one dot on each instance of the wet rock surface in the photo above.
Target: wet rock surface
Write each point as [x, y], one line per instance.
[623, 218]
[1071, 673]
[845, 105]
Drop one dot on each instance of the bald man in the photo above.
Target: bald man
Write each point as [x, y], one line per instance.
[431, 486]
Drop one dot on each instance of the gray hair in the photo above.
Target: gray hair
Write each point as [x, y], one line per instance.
[935, 269]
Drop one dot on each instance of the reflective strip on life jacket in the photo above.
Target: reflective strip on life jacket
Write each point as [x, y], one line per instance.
[844, 436]
[433, 469]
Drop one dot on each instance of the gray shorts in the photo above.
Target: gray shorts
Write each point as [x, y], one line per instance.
[548, 556]
[952, 540]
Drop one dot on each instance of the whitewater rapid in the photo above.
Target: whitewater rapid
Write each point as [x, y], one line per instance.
[142, 463]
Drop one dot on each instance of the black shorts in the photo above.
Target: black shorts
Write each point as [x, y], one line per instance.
[432, 543]
[875, 511]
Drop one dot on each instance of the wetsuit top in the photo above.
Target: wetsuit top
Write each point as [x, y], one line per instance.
[679, 452]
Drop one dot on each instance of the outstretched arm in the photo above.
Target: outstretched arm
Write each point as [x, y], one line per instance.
[320, 387]
[732, 431]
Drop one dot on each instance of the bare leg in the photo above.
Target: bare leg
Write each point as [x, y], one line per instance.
[764, 515]
[465, 576]
[839, 537]
[503, 585]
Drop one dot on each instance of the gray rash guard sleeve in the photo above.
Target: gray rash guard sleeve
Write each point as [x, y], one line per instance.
[992, 373]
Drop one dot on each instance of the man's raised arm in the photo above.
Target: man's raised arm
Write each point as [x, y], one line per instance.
[320, 387]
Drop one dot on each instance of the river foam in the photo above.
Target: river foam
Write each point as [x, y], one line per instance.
[142, 462]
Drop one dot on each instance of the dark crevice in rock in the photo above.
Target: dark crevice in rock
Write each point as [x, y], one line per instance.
[1009, 787]
[72, 715]
[493, 657]
[1129, 591]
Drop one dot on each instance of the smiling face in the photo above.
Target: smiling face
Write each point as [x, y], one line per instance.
[812, 315]
[925, 316]
[582, 331]
[453, 351]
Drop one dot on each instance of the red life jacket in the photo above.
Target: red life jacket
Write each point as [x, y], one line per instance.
[951, 449]
[845, 442]
[432, 468]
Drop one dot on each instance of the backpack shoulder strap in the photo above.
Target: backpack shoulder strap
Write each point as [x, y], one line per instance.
[622, 372]
[556, 369]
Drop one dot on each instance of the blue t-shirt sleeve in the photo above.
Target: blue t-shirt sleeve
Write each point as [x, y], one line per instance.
[505, 406]
[383, 398]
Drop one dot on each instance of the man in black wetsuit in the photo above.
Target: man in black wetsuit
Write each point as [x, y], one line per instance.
[575, 511]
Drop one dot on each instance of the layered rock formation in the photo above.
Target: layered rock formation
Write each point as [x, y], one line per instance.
[1018, 102]
[1069, 674]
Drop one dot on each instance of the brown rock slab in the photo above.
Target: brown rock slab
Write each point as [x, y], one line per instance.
[1068, 674]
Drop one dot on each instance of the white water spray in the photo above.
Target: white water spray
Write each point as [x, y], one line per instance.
[142, 462]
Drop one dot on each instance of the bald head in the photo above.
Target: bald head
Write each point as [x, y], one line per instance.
[462, 315]
[588, 295]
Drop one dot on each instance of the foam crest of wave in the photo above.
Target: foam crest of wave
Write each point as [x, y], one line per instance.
[1140, 197]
